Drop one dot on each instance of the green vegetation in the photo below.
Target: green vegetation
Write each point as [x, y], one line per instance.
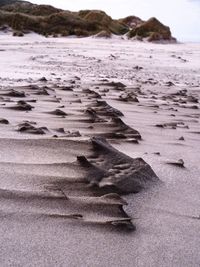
[24, 17]
[152, 29]
[7, 2]
[30, 9]
[131, 21]
[47, 20]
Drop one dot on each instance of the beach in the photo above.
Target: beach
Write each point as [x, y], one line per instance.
[99, 159]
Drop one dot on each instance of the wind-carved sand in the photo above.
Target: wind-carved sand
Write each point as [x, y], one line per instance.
[107, 175]
[99, 138]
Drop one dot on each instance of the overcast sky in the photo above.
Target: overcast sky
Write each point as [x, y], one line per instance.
[183, 16]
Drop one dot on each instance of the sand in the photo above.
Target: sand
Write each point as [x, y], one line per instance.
[68, 196]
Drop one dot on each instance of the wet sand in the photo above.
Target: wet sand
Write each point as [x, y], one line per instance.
[99, 159]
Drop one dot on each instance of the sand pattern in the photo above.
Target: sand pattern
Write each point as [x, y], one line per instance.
[108, 173]
[98, 146]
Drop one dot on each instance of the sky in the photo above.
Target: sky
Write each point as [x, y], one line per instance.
[182, 16]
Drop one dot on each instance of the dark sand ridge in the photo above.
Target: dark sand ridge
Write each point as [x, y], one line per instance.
[34, 175]
[49, 181]
[49, 193]
[109, 172]
[62, 109]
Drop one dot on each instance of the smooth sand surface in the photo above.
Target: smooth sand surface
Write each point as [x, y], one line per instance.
[57, 210]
